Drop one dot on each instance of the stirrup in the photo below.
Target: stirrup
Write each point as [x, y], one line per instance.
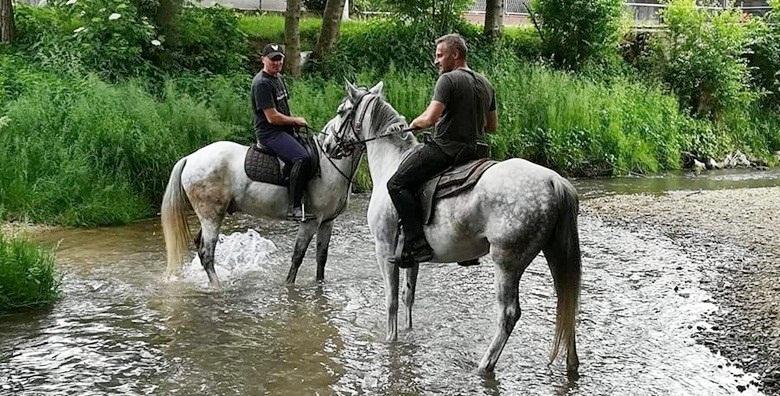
[298, 215]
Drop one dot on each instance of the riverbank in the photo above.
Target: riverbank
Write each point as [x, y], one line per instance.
[738, 223]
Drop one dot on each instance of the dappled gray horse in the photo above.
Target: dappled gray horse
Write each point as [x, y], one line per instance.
[213, 179]
[516, 210]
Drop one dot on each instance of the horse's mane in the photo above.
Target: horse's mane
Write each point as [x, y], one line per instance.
[384, 116]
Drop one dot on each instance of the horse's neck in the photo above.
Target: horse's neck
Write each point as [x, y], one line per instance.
[384, 156]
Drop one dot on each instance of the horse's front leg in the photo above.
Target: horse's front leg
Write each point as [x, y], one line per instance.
[390, 277]
[305, 233]
[323, 242]
[409, 288]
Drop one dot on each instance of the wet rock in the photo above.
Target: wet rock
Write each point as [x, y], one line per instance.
[712, 164]
[741, 388]
[698, 166]
[736, 160]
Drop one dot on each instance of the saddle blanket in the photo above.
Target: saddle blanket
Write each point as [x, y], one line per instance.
[453, 181]
[262, 165]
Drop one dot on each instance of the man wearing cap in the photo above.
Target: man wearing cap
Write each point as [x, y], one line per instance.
[274, 126]
[463, 108]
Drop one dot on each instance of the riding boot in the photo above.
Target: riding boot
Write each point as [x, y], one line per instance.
[298, 181]
[415, 247]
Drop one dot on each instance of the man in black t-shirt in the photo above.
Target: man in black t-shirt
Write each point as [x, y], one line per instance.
[463, 108]
[274, 126]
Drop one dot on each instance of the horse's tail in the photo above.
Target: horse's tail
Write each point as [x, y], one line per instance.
[563, 257]
[174, 220]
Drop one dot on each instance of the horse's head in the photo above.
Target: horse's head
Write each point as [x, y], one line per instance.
[351, 126]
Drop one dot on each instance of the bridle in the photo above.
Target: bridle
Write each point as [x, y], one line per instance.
[353, 123]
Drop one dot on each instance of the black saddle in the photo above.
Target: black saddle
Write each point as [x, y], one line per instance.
[261, 164]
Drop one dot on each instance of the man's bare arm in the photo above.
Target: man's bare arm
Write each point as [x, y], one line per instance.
[277, 118]
[491, 124]
[429, 117]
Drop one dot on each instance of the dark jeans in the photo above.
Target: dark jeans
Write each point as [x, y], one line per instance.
[415, 170]
[297, 159]
[286, 147]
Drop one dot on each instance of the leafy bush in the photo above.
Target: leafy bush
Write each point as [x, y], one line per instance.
[578, 32]
[700, 58]
[208, 40]
[27, 275]
[764, 58]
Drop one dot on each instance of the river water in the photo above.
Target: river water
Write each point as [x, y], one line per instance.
[120, 328]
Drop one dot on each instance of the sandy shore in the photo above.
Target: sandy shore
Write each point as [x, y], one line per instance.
[746, 281]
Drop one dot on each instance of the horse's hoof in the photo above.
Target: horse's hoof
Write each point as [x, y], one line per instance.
[486, 373]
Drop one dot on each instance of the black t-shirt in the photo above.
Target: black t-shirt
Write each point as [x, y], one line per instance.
[269, 91]
[467, 98]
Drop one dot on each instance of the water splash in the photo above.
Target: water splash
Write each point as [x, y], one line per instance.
[236, 255]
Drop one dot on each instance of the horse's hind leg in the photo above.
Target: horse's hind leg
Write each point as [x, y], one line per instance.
[409, 288]
[305, 233]
[208, 243]
[509, 269]
[323, 242]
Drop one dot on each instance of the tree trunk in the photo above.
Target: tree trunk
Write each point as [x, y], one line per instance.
[331, 22]
[6, 21]
[494, 18]
[292, 38]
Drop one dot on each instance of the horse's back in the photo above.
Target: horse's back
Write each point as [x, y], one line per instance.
[218, 163]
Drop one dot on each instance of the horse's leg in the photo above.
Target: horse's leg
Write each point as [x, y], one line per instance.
[390, 277]
[208, 243]
[305, 233]
[409, 288]
[323, 242]
[509, 269]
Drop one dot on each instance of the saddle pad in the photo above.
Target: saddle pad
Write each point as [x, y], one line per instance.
[262, 166]
[452, 182]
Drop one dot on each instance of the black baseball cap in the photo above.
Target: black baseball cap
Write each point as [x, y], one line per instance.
[273, 51]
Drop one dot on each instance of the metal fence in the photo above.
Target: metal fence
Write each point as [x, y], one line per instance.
[645, 12]
[511, 7]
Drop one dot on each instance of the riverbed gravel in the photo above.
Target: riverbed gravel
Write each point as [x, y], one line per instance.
[737, 234]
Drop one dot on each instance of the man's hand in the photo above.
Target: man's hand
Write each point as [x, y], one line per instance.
[300, 121]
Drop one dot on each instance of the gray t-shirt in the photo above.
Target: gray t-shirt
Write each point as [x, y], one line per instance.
[468, 97]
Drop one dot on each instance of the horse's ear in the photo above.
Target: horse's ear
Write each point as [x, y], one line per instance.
[352, 90]
[377, 89]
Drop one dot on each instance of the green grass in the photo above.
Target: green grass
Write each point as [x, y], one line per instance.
[89, 153]
[27, 275]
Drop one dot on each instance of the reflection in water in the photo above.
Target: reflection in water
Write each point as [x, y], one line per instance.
[121, 329]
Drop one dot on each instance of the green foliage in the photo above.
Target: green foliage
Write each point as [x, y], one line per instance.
[700, 58]
[89, 153]
[264, 29]
[581, 127]
[27, 275]
[524, 41]
[578, 32]
[440, 15]
[764, 58]
[208, 40]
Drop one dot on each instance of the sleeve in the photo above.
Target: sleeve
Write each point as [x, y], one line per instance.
[492, 106]
[263, 94]
[443, 90]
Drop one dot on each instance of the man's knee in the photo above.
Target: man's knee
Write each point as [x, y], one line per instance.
[395, 184]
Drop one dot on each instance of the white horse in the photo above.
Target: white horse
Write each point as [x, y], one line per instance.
[212, 181]
[516, 210]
